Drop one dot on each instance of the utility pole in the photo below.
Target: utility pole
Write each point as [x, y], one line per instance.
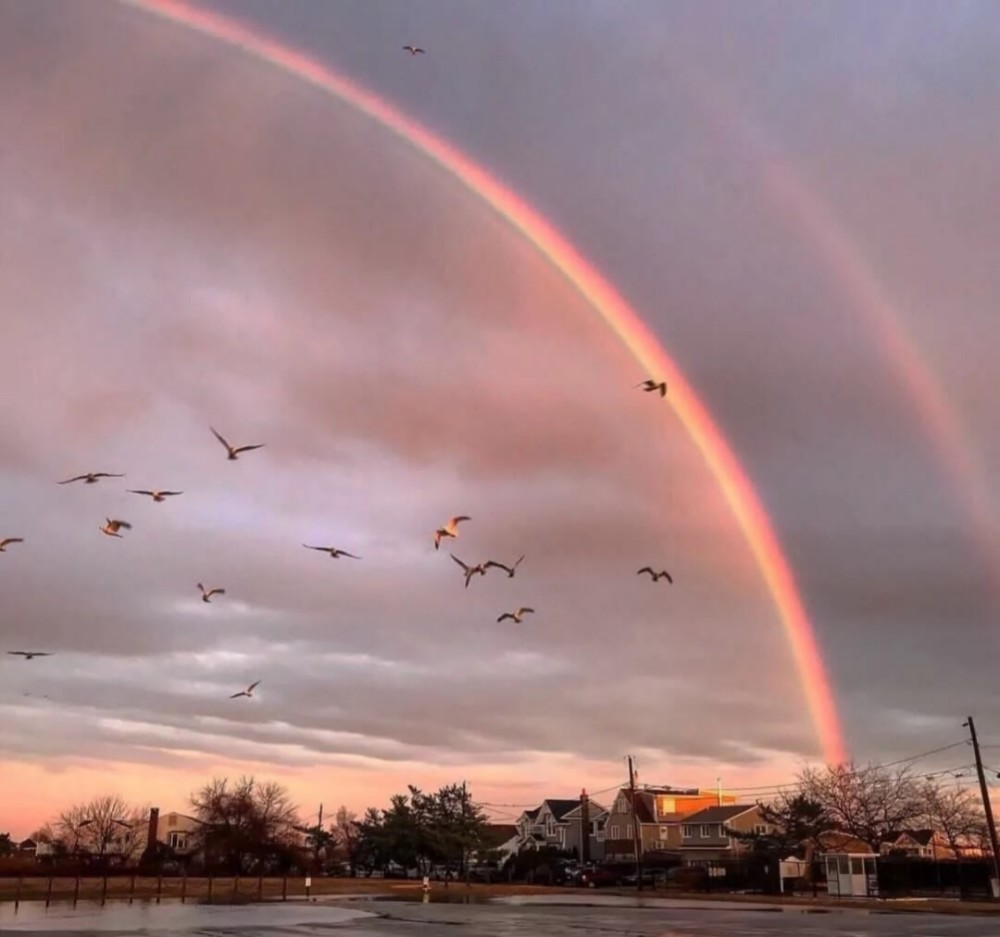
[987, 808]
[636, 835]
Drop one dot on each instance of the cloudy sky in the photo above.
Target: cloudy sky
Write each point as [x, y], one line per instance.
[798, 201]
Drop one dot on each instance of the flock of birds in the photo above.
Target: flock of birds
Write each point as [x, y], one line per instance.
[112, 527]
[447, 531]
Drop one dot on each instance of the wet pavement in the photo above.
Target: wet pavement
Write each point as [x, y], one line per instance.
[583, 916]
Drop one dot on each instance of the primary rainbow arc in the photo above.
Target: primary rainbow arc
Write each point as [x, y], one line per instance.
[605, 300]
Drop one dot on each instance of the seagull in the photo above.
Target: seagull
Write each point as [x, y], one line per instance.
[650, 386]
[656, 575]
[234, 451]
[515, 616]
[156, 495]
[111, 528]
[509, 570]
[248, 692]
[90, 477]
[206, 595]
[449, 530]
[470, 571]
[8, 540]
[414, 50]
[27, 655]
[333, 551]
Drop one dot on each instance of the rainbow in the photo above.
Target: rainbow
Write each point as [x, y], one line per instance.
[809, 213]
[617, 314]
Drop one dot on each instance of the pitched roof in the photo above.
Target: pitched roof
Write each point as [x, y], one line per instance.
[644, 811]
[560, 808]
[719, 814]
[596, 811]
[500, 832]
[920, 837]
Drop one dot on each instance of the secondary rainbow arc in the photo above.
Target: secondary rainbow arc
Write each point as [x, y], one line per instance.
[623, 321]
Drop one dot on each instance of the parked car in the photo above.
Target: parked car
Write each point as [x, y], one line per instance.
[598, 878]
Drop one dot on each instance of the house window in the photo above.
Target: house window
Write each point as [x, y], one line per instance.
[628, 831]
[706, 831]
[614, 831]
[722, 831]
[688, 832]
[760, 829]
[663, 832]
[177, 841]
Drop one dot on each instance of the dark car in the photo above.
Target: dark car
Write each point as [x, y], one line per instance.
[598, 878]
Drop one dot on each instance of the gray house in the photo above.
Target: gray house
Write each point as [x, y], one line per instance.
[557, 823]
[597, 818]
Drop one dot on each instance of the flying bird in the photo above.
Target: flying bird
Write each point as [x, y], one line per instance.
[449, 530]
[28, 655]
[509, 570]
[8, 540]
[90, 477]
[206, 595]
[234, 451]
[333, 551]
[111, 528]
[515, 616]
[248, 692]
[470, 571]
[662, 574]
[649, 386]
[414, 50]
[155, 495]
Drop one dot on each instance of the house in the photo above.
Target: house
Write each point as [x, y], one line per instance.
[661, 812]
[706, 836]
[177, 830]
[545, 825]
[500, 842]
[596, 820]
[27, 848]
[923, 844]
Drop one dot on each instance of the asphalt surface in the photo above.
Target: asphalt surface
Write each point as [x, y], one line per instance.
[586, 916]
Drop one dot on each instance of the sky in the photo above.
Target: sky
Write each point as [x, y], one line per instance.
[796, 200]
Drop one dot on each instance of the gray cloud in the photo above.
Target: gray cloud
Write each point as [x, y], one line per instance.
[197, 240]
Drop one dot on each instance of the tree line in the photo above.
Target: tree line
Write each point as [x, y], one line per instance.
[872, 804]
[249, 826]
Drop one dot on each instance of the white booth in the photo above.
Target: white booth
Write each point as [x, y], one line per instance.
[851, 874]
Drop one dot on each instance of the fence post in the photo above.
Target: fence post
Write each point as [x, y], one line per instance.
[17, 893]
[48, 892]
[159, 887]
[260, 887]
[236, 885]
[309, 882]
[104, 888]
[131, 888]
[76, 889]
[184, 886]
[210, 888]
[284, 889]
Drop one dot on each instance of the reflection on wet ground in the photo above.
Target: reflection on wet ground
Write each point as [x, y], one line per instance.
[536, 916]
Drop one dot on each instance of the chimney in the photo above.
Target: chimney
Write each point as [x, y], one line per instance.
[154, 825]
[584, 826]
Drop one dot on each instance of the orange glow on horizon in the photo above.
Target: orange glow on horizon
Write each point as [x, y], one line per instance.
[617, 314]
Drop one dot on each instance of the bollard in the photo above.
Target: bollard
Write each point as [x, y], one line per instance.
[48, 892]
[76, 890]
[309, 882]
[104, 889]
[236, 885]
[260, 887]
[159, 887]
[184, 886]
[17, 893]
[131, 888]
[210, 889]
[284, 889]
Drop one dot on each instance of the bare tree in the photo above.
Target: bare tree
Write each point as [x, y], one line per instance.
[956, 813]
[348, 837]
[867, 802]
[245, 823]
[104, 827]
